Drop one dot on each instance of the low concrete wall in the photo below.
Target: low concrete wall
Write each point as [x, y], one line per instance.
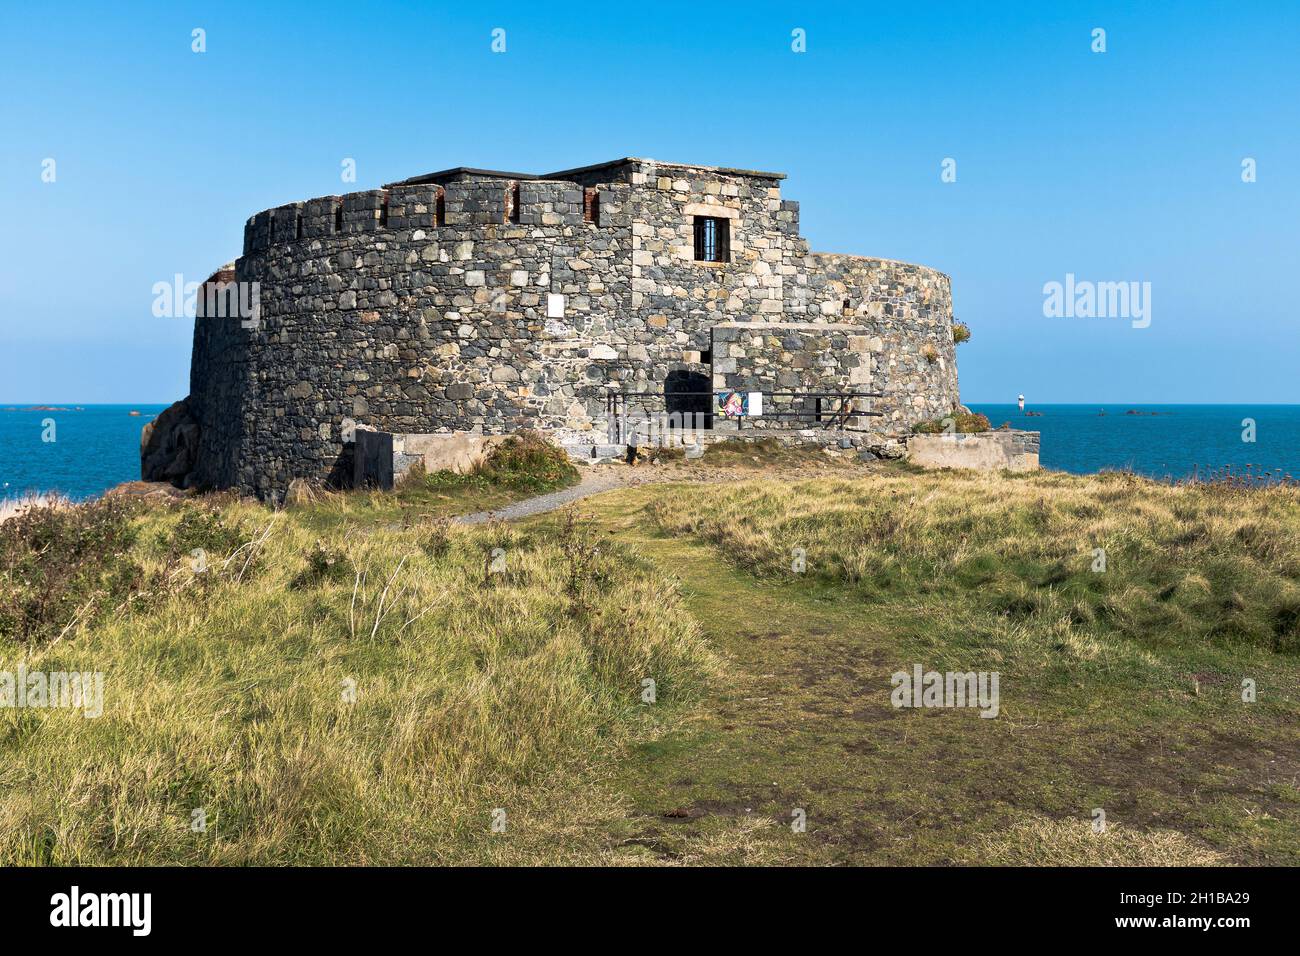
[985, 451]
[381, 459]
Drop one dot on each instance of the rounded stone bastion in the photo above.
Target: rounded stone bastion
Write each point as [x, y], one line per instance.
[484, 301]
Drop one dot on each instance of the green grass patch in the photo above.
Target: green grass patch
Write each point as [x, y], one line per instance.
[363, 681]
[1117, 706]
[376, 695]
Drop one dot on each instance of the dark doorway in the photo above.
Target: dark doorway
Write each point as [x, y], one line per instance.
[686, 395]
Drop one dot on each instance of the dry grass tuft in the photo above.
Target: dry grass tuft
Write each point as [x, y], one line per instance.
[1044, 842]
[1108, 554]
[362, 698]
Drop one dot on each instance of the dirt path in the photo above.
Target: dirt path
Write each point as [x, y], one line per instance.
[798, 756]
[796, 726]
[599, 479]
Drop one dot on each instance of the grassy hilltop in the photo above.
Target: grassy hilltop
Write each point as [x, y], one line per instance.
[357, 680]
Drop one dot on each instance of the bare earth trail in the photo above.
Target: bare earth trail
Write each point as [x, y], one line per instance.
[599, 479]
[798, 756]
[780, 739]
[801, 729]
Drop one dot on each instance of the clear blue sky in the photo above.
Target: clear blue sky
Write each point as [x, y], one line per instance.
[1115, 167]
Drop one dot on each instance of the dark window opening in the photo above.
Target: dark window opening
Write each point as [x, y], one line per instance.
[688, 399]
[270, 228]
[707, 356]
[440, 208]
[297, 225]
[848, 306]
[338, 217]
[591, 205]
[383, 211]
[712, 239]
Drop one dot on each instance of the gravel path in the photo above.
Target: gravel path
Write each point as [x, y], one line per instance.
[607, 477]
[589, 485]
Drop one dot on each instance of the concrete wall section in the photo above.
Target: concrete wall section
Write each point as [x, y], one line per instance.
[985, 451]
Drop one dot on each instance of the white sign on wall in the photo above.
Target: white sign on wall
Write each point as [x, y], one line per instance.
[755, 403]
[554, 305]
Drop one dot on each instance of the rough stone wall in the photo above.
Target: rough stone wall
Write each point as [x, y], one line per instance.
[220, 385]
[414, 327]
[424, 307]
[805, 357]
[909, 307]
[675, 299]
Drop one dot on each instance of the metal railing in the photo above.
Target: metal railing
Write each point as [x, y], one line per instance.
[829, 409]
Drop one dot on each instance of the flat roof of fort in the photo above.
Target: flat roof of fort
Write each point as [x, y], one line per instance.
[456, 171]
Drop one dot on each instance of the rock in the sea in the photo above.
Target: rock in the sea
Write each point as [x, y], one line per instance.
[169, 445]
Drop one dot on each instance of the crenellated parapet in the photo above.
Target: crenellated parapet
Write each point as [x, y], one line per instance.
[426, 207]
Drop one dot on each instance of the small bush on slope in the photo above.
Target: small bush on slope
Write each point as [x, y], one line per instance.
[59, 565]
[524, 462]
[961, 423]
[67, 567]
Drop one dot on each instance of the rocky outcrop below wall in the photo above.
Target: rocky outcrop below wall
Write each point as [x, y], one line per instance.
[169, 446]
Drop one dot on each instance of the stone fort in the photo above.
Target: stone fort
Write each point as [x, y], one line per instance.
[479, 301]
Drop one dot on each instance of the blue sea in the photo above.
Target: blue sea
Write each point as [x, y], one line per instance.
[95, 447]
[1160, 441]
[98, 446]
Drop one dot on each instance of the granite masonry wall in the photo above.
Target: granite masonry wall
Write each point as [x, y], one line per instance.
[477, 301]
[220, 380]
[803, 357]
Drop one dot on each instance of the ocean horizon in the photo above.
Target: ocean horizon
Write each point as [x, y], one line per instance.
[1168, 442]
[96, 447]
